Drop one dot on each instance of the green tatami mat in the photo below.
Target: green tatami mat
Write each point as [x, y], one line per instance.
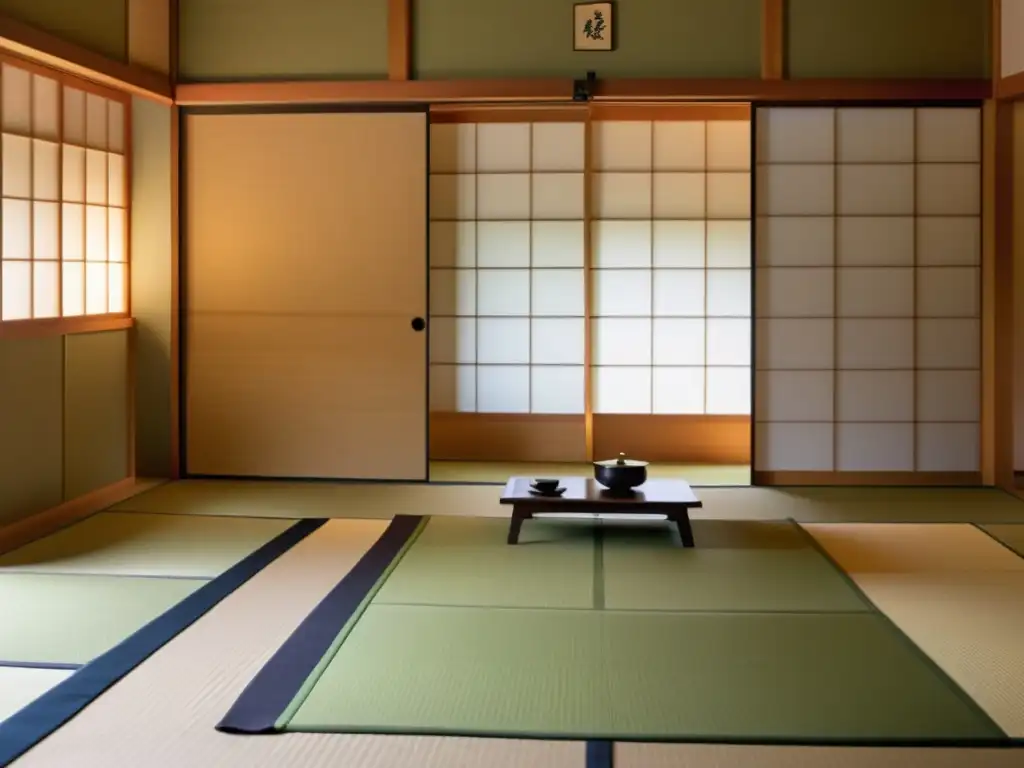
[633, 675]
[146, 545]
[466, 561]
[20, 687]
[736, 566]
[72, 619]
[1011, 535]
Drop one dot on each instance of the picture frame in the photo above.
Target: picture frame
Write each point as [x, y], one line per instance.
[593, 27]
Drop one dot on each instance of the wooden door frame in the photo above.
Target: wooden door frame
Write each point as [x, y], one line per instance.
[179, 293]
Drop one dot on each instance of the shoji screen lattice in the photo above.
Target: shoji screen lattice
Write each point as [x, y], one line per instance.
[671, 257]
[506, 267]
[868, 266]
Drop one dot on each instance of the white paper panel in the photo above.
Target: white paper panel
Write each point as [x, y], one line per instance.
[798, 241]
[17, 166]
[557, 196]
[453, 340]
[557, 389]
[502, 147]
[728, 195]
[948, 447]
[72, 232]
[621, 145]
[796, 135]
[17, 100]
[622, 390]
[678, 391]
[557, 292]
[948, 292]
[794, 396]
[795, 292]
[622, 195]
[117, 286]
[503, 292]
[679, 145]
[557, 341]
[46, 170]
[17, 229]
[558, 147]
[503, 389]
[503, 340]
[728, 293]
[680, 341]
[949, 189]
[621, 244]
[622, 292]
[682, 243]
[96, 131]
[502, 196]
[452, 147]
[948, 343]
[557, 243]
[874, 396]
[728, 341]
[949, 396]
[875, 292]
[874, 344]
[875, 241]
[46, 289]
[874, 447]
[45, 107]
[679, 196]
[96, 285]
[453, 388]
[947, 135]
[116, 179]
[452, 291]
[452, 243]
[872, 135]
[728, 391]
[728, 244]
[502, 244]
[115, 235]
[679, 292]
[452, 196]
[16, 287]
[621, 341]
[46, 231]
[794, 447]
[785, 344]
[115, 126]
[796, 190]
[948, 241]
[728, 145]
[864, 190]
[74, 117]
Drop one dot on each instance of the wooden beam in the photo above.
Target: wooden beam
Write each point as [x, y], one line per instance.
[399, 39]
[63, 326]
[176, 314]
[945, 479]
[560, 90]
[50, 50]
[773, 39]
[997, 268]
[42, 524]
[997, 40]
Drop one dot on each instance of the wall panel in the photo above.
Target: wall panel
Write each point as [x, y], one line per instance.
[868, 332]
[533, 38]
[299, 39]
[1011, 51]
[100, 25]
[882, 38]
[96, 427]
[151, 284]
[31, 415]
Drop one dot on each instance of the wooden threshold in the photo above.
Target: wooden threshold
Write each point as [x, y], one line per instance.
[561, 89]
[48, 49]
[42, 524]
[915, 479]
[63, 326]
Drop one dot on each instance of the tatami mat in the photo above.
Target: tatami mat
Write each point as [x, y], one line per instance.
[724, 756]
[20, 686]
[1011, 536]
[73, 619]
[467, 562]
[911, 548]
[163, 714]
[956, 593]
[736, 566]
[607, 674]
[384, 500]
[145, 545]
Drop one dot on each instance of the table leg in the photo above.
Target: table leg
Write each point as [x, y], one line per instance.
[682, 521]
[516, 524]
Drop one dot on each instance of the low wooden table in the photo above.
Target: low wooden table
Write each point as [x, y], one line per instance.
[672, 498]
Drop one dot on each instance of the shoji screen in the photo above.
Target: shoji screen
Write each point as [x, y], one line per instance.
[868, 264]
[671, 255]
[507, 289]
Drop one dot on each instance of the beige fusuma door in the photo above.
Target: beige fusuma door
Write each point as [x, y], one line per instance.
[304, 238]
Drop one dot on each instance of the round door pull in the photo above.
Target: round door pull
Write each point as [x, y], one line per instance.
[418, 324]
